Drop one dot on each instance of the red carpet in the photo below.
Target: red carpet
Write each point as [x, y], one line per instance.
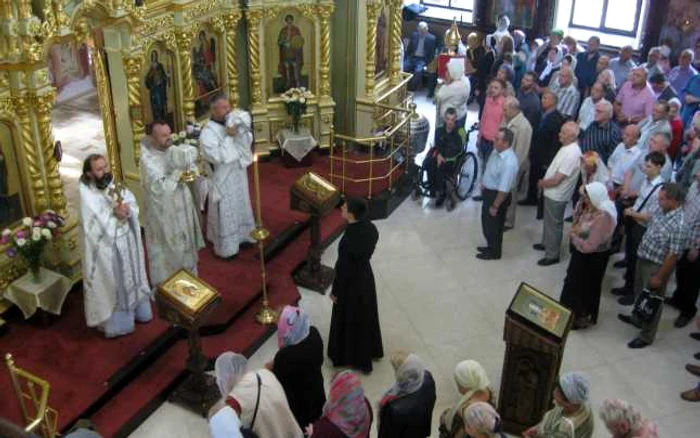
[78, 362]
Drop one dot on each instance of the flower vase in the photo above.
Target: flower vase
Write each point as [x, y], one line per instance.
[35, 273]
[295, 123]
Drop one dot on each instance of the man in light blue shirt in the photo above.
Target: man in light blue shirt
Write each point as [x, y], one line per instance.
[497, 182]
[622, 66]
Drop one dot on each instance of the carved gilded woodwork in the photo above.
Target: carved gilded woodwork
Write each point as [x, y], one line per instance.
[184, 43]
[395, 43]
[43, 105]
[370, 52]
[230, 22]
[202, 9]
[132, 68]
[325, 12]
[254, 17]
[104, 94]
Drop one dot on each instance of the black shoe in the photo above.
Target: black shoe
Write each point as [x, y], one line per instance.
[482, 248]
[430, 95]
[538, 247]
[547, 262]
[638, 343]
[626, 300]
[487, 256]
[621, 291]
[620, 264]
[671, 302]
[528, 202]
[507, 228]
[695, 335]
[569, 219]
[539, 217]
[478, 198]
[627, 319]
[682, 321]
[440, 201]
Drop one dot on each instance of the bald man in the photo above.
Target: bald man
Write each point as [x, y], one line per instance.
[558, 186]
[636, 99]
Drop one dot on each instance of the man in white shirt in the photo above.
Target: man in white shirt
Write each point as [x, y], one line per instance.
[586, 114]
[634, 177]
[654, 124]
[558, 185]
[624, 155]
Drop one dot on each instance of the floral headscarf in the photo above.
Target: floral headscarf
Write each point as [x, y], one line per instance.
[346, 407]
[482, 417]
[292, 327]
[409, 379]
[229, 368]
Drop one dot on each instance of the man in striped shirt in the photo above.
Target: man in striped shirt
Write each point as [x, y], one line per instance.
[603, 135]
[568, 94]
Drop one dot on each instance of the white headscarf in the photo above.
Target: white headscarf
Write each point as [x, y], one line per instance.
[575, 387]
[455, 67]
[551, 65]
[229, 368]
[600, 199]
[469, 375]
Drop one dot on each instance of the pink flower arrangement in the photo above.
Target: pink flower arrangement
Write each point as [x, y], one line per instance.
[30, 238]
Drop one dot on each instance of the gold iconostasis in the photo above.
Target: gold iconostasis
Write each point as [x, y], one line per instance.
[164, 59]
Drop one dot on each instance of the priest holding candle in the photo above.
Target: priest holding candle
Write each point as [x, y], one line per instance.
[225, 145]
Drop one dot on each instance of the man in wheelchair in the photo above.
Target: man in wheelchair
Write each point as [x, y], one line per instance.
[441, 161]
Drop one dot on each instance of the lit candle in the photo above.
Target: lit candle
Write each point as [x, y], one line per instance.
[256, 174]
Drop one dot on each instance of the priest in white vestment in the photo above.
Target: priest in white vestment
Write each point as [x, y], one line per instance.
[115, 285]
[225, 144]
[173, 233]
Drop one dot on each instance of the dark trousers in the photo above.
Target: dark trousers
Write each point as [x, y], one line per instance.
[437, 174]
[493, 226]
[414, 65]
[687, 285]
[484, 149]
[537, 172]
[633, 237]
[582, 285]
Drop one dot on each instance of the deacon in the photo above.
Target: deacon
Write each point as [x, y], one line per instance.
[115, 284]
[173, 233]
[225, 145]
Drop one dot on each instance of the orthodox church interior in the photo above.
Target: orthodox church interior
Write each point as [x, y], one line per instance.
[82, 77]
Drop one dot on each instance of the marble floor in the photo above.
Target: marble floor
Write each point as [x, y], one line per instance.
[440, 302]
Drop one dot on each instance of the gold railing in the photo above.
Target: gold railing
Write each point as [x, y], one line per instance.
[44, 419]
[397, 138]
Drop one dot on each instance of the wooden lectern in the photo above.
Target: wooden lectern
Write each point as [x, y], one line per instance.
[536, 328]
[314, 195]
[187, 301]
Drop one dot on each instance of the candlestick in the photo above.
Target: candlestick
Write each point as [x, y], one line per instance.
[256, 173]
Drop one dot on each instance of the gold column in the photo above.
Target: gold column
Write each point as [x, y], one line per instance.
[395, 43]
[231, 24]
[184, 44]
[325, 13]
[35, 178]
[24, 9]
[371, 51]
[104, 94]
[43, 106]
[254, 16]
[132, 67]
[61, 17]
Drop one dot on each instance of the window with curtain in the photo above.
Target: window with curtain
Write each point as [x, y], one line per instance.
[616, 22]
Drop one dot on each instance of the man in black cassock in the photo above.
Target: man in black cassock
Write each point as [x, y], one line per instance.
[355, 337]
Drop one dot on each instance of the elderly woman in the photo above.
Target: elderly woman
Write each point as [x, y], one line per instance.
[482, 421]
[571, 417]
[297, 365]
[406, 409]
[454, 94]
[506, 73]
[595, 218]
[346, 414]
[674, 118]
[473, 385]
[567, 61]
[553, 65]
[607, 79]
[623, 421]
[257, 397]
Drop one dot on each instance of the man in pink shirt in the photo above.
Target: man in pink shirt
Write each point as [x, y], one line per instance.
[490, 121]
[636, 99]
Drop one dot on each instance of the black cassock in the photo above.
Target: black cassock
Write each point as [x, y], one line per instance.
[355, 338]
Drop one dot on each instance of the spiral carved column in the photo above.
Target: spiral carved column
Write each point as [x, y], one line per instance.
[254, 17]
[43, 106]
[106, 108]
[371, 51]
[325, 13]
[184, 43]
[31, 155]
[132, 67]
[395, 43]
[231, 23]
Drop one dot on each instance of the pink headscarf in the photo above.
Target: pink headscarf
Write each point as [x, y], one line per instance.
[346, 406]
[292, 327]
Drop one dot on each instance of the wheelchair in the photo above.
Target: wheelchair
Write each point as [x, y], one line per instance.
[460, 184]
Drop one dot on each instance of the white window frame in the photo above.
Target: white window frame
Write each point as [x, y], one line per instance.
[444, 13]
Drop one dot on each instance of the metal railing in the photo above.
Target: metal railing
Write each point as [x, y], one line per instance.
[38, 416]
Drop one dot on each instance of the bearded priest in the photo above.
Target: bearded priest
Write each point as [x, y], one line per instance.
[115, 284]
[173, 233]
[225, 144]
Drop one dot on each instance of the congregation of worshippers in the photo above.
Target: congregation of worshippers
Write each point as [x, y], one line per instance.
[562, 128]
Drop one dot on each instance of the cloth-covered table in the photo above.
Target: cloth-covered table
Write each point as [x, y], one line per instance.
[48, 294]
[296, 144]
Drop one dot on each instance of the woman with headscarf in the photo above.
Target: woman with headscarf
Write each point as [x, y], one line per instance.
[567, 61]
[595, 218]
[482, 421]
[676, 122]
[473, 385]
[347, 413]
[607, 79]
[571, 416]
[454, 93]
[505, 50]
[355, 336]
[552, 65]
[297, 365]
[244, 390]
[624, 421]
[406, 409]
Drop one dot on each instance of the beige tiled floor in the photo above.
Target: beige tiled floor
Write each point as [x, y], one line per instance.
[437, 300]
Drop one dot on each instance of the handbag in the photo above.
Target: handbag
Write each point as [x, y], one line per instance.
[248, 432]
[647, 305]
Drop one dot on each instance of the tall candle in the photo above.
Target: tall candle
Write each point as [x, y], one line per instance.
[256, 173]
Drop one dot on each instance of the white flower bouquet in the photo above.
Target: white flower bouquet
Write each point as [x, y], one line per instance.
[295, 100]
